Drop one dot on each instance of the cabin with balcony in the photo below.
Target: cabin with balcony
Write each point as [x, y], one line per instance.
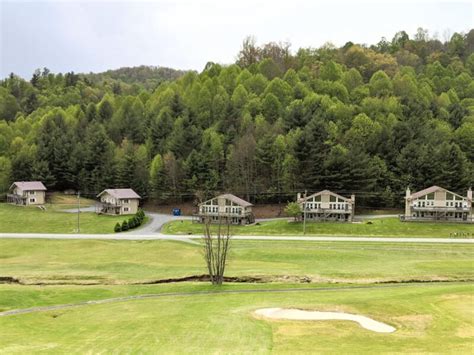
[25, 193]
[117, 202]
[226, 208]
[438, 204]
[326, 206]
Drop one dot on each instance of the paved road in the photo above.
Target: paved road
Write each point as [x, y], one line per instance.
[188, 238]
[155, 223]
[153, 226]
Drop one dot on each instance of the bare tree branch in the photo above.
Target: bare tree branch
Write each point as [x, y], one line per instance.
[216, 249]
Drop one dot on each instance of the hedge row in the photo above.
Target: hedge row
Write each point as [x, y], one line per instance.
[132, 222]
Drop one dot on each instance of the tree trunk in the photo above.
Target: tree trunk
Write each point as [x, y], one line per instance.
[216, 249]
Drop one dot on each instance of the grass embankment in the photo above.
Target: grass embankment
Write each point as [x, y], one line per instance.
[112, 262]
[379, 227]
[29, 219]
[59, 201]
[428, 318]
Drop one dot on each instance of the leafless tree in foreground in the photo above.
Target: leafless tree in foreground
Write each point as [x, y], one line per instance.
[216, 248]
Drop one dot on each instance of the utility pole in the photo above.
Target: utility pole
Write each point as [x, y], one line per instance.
[78, 210]
[304, 213]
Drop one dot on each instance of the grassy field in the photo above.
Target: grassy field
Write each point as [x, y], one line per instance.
[379, 227]
[428, 318]
[20, 219]
[59, 201]
[120, 262]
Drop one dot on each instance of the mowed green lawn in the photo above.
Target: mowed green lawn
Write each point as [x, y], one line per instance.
[378, 227]
[20, 219]
[429, 317]
[435, 318]
[120, 262]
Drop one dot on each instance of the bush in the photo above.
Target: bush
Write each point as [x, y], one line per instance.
[131, 223]
[125, 226]
[293, 209]
[118, 228]
[141, 215]
[137, 220]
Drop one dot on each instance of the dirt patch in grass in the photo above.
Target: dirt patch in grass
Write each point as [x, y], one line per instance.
[465, 332]
[415, 322]
[9, 280]
[86, 280]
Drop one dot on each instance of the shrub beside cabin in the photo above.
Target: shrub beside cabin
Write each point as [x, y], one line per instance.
[117, 202]
[27, 193]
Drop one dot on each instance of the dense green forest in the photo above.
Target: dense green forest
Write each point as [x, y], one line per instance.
[369, 120]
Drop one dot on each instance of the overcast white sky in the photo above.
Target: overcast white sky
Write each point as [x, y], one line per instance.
[95, 36]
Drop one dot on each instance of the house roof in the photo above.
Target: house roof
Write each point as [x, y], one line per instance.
[232, 198]
[236, 200]
[430, 190]
[29, 185]
[120, 193]
[324, 192]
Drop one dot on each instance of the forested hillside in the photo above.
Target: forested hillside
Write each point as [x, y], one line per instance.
[356, 119]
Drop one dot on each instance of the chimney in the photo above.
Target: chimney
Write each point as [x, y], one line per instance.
[408, 192]
[469, 194]
[298, 197]
[353, 198]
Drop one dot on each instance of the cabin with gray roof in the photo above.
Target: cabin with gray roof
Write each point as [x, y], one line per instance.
[26, 193]
[225, 208]
[438, 204]
[117, 202]
[326, 206]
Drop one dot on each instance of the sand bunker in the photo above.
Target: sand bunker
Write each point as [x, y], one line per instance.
[298, 314]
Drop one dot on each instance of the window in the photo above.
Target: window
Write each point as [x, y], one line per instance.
[32, 192]
[430, 196]
[125, 200]
[125, 209]
[332, 198]
[32, 200]
[317, 198]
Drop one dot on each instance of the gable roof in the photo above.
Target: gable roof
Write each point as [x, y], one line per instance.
[430, 190]
[29, 185]
[120, 193]
[324, 192]
[233, 198]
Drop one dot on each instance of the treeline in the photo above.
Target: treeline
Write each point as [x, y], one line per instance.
[356, 119]
[147, 76]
